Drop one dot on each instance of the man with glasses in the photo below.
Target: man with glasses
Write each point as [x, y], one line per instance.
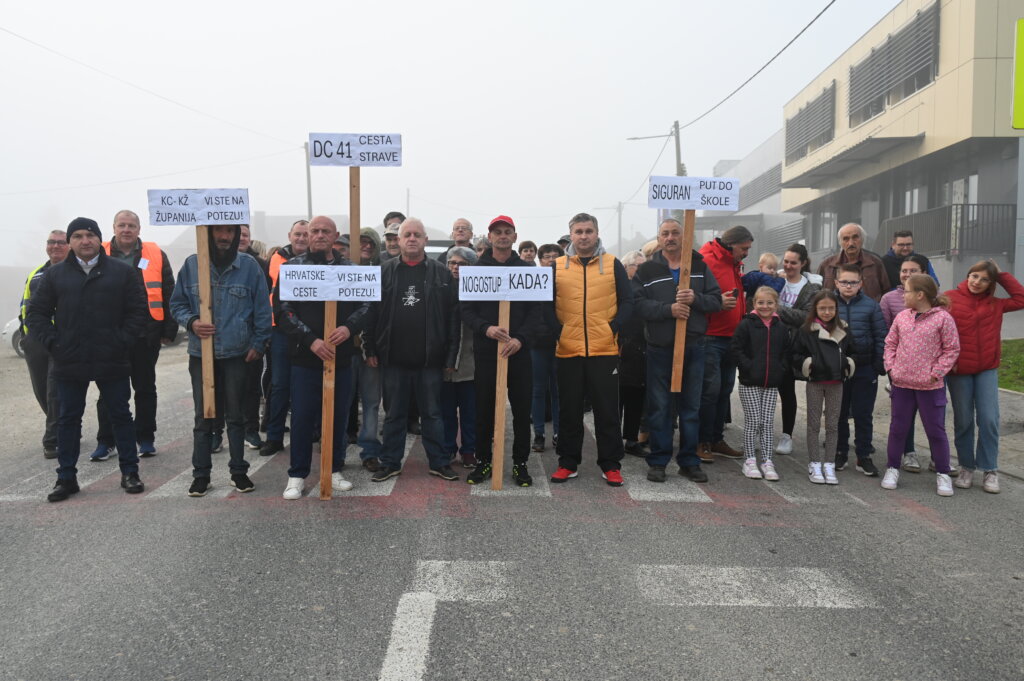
[462, 235]
[851, 241]
[36, 356]
[864, 318]
[902, 248]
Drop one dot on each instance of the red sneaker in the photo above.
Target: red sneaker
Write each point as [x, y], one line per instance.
[563, 474]
[614, 478]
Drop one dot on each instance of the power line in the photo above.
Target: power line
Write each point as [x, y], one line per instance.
[653, 166]
[143, 89]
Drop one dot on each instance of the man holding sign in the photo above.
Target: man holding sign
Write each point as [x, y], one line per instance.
[482, 317]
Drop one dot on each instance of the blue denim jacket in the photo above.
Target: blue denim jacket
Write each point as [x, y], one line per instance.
[241, 306]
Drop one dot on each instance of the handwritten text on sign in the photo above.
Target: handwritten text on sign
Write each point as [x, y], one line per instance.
[329, 282]
[694, 193]
[198, 207]
[340, 149]
[506, 283]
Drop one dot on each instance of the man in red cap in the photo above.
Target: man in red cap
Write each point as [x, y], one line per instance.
[482, 317]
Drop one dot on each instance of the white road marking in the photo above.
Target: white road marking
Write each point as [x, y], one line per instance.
[675, 487]
[36, 487]
[220, 477]
[790, 587]
[539, 488]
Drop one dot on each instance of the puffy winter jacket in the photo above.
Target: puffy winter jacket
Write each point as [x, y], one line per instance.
[921, 348]
[892, 304]
[762, 352]
[864, 317]
[727, 273]
[822, 356]
[654, 292]
[979, 323]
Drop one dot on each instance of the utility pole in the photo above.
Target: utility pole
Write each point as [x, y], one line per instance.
[407, 210]
[309, 185]
[618, 209]
[680, 166]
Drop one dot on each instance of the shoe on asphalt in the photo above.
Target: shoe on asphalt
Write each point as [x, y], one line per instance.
[49, 453]
[338, 482]
[841, 459]
[271, 447]
[216, 442]
[101, 453]
[538, 443]
[891, 478]
[385, 472]
[445, 473]
[146, 450]
[656, 474]
[991, 482]
[867, 467]
[199, 487]
[554, 440]
[293, 490]
[131, 483]
[469, 460]
[372, 464]
[828, 471]
[480, 473]
[965, 478]
[563, 474]
[768, 467]
[751, 470]
[253, 441]
[693, 473]
[521, 475]
[785, 445]
[241, 482]
[613, 478]
[943, 485]
[814, 473]
[910, 463]
[633, 448]
[704, 453]
[722, 447]
[63, 489]
[953, 472]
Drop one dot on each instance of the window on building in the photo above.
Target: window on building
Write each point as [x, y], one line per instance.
[813, 125]
[825, 236]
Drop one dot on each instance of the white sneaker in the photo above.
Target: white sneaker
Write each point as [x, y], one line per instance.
[785, 445]
[750, 469]
[769, 471]
[965, 479]
[943, 485]
[891, 478]
[339, 483]
[991, 482]
[293, 490]
[829, 471]
[910, 463]
[814, 473]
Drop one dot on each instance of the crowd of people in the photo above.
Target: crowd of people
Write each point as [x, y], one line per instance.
[98, 312]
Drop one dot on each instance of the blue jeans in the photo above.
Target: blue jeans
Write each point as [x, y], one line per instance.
[859, 393]
[663, 405]
[115, 393]
[719, 379]
[458, 409]
[366, 385]
[402, 385]
[229, 386]
[280, 382]
[976, 396]
[545, 379]
[307, 404]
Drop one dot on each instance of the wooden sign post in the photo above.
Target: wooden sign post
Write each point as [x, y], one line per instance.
[206, 317]
[500, 390]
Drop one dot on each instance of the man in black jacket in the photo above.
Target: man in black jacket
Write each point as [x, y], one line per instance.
[660, 303]
[482, 317]
[413, 335]
[88, 312]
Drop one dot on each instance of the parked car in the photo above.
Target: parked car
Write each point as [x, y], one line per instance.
[13, 335]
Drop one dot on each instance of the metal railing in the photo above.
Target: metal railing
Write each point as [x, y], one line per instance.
[958, 229]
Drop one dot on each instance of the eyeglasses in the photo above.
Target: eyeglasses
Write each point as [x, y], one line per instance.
[848, 283]
[54, 242]
[456, 263]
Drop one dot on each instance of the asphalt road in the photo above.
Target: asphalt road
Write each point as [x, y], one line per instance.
[424, 579]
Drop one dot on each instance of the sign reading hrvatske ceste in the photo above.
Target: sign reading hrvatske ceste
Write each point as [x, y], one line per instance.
[355, 149]
[360, 283]
[198, 207]
[506, 283]
[694, 193]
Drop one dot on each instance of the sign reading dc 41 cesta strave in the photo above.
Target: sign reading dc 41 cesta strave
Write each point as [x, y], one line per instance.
[330, 282]
[506, 283]
[198, 207]
[351, 149]
[694, 193]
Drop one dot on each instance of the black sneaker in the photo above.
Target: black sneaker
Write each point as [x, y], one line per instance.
[385, 472]
[216, 442]
[63, 489]
[200, 486]
[241, 482]
[841, 459]
[372, 464]
[480, 473]
[521, 475]
[656, 474]
[445, 473]
[131, 483]
[694, 473]
[867, 467]
[253, 441]
[538, 443]
[554, 440]
[633, 448]
[271, 447]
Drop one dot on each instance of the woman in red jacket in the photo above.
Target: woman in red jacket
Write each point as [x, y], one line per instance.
[973, 383]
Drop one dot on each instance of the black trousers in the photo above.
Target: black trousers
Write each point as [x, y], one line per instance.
[143, 356]
[631, 399]
[598, 378]
[253, 393]
[520, 397]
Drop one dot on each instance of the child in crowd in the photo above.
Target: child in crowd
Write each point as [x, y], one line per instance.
[766, 275]
[921, 348]
[761, 348]
[821, 356]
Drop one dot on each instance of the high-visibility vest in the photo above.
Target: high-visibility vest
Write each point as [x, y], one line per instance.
[152, 277]
[28, 294]
[274, 270]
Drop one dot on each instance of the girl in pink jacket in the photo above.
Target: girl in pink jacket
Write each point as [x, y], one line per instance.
[921, 348]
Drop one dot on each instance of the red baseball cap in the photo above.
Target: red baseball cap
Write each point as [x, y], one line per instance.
[500, 219]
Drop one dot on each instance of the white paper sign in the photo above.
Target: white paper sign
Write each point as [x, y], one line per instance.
[198, 207]
[694, 193]
[343, 149]
[506, 283]
[329, 282]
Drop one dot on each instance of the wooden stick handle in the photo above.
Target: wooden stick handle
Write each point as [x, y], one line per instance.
[206, 317]
[500, 390]
[686, 259]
